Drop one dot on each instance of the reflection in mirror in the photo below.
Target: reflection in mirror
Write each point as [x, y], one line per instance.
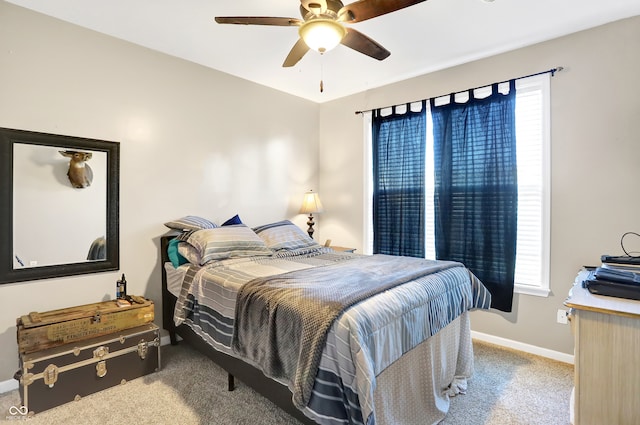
[58, 205]
[50, 206]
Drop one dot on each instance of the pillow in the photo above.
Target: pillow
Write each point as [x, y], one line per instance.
[227, 242]
[284, 235]
[190, 222]
[189, 252]
[233, 220]
[184, 236]
[174, 255]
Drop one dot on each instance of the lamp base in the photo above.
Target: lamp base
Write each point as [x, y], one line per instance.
[310, 223]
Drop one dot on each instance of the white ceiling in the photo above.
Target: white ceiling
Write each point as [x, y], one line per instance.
[426, 37]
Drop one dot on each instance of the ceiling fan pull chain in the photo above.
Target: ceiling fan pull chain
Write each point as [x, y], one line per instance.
[321, 74]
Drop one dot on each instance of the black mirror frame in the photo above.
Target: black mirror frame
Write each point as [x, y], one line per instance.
[112, 262]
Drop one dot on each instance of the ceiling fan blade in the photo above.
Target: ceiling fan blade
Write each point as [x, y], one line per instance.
[363, 44]
[259, 20]
[297, 52]
[366, 9]
[316, 7]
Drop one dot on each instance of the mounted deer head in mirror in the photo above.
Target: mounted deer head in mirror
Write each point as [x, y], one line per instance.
[80, 174]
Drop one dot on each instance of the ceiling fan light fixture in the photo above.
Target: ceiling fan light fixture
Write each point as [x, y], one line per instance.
[322, 34]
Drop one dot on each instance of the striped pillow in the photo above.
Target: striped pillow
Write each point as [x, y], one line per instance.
[284, 235]
[227, 242]
[189, 252]
[190, 222]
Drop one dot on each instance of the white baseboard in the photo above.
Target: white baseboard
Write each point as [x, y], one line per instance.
[12, 384]
[521, 346]
[165, 340]
[9, 385]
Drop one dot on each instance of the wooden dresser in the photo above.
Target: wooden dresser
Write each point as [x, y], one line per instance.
[607, 358]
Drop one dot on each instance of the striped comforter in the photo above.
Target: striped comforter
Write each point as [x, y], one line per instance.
[361, 343]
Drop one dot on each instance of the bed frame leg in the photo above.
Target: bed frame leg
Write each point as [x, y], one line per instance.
[231, 381]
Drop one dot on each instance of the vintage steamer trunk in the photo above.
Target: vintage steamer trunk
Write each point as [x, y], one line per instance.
[58, 375]
[39, 331]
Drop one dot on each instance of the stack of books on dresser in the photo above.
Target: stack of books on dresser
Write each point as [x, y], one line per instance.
[619, 276]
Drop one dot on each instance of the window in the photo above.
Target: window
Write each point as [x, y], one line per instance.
[533, 135]
[533, 146]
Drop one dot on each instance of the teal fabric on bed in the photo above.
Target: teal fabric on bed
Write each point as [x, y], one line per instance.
[172, 251]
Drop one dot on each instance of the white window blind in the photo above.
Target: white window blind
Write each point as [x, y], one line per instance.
[532, 138]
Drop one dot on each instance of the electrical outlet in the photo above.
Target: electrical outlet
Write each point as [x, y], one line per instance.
[562, 316]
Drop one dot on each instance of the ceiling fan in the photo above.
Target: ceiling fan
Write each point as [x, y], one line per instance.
[322, 25]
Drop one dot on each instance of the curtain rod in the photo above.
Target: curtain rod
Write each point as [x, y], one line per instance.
[552, 71]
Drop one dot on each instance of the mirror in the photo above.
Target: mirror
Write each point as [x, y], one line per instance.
[58, 205]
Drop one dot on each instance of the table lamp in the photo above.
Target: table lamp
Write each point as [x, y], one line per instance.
[311, 204]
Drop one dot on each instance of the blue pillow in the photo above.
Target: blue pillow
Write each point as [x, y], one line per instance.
[172, 252]
[233, 220]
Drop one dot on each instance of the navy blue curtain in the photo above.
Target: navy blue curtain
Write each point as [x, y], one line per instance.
[476, 188]
[398, 179]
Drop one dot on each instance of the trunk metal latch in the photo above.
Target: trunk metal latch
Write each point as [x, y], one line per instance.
[50, 375]
[143, 347]
[101, 368]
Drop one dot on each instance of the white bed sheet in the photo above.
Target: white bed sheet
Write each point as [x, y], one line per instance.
[175, 277]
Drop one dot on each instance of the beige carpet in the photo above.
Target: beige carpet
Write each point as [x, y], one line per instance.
[509, 387]
[513, 388]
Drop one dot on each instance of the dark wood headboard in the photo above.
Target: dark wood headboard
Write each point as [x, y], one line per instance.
[168, 299]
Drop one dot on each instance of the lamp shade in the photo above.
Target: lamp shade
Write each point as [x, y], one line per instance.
[311, 203]
[322, 35]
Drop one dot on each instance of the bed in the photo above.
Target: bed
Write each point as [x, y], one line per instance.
[330, 337]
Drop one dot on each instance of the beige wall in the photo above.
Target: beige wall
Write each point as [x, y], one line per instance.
[233, 145]
[595, 160]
